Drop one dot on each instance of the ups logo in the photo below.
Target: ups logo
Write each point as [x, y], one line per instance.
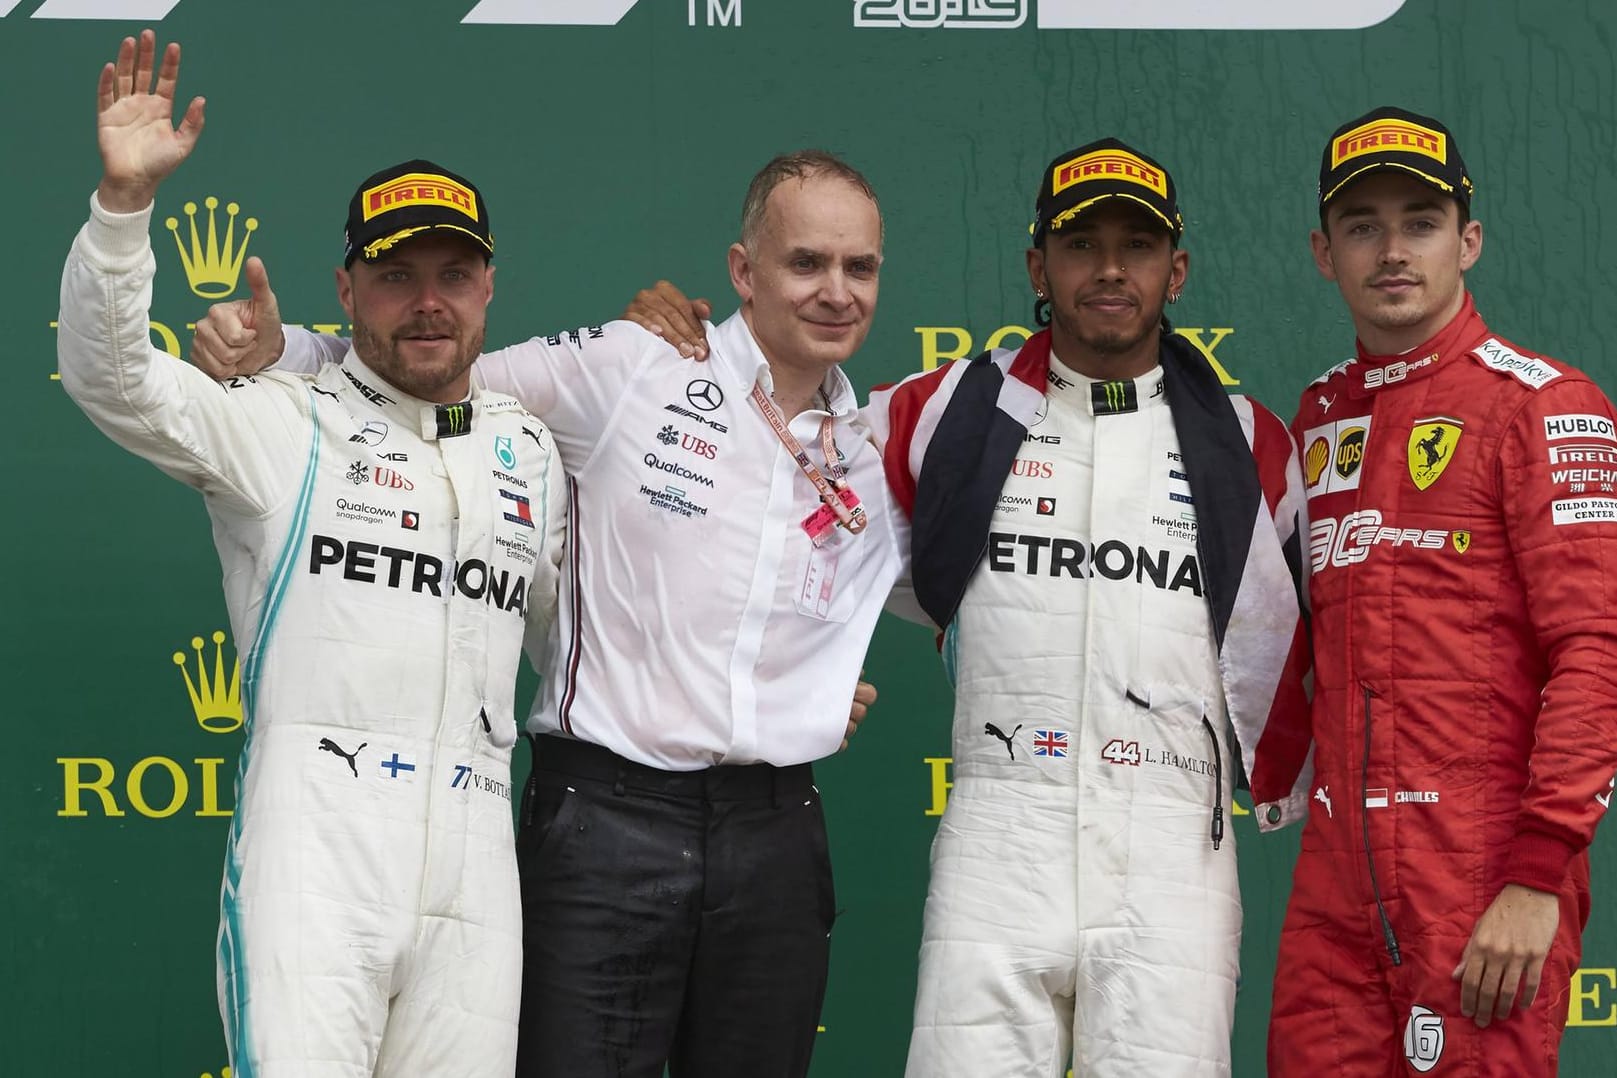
[1350, 452]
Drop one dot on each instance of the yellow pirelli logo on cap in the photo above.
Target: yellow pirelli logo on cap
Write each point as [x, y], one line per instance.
[418, 189]
[1382, 135]
[1109, 165]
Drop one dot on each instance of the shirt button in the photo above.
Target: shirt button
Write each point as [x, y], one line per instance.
[1273, 814]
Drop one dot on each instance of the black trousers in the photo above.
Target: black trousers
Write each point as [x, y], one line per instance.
[670, 917]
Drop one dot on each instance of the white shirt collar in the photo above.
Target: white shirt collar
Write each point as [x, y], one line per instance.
[739, 363]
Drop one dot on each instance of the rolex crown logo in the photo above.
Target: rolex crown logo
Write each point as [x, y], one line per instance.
[212, 268]
[216, 703]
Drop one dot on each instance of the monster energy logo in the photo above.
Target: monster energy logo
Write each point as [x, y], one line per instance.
[1110, 398]
[454, 419]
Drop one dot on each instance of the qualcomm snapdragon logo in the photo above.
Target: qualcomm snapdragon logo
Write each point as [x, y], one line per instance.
[1157, 15]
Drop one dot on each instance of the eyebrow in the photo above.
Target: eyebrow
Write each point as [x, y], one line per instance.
[818, 256]
[1420, 205]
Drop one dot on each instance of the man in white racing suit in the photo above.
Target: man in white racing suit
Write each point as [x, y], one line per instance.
[386, 533]
[1111, 544]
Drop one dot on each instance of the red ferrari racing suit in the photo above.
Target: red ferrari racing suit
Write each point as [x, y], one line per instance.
[1463, 509]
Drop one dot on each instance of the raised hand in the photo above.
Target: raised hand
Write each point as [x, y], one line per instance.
[243, 336]
[135, 128]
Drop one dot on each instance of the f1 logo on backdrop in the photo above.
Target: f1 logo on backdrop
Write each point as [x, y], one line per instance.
[1157, 15]
[500, 12]
[588, 12]
[947, 14]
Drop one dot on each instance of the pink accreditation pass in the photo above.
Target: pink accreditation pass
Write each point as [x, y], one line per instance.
[823, 521]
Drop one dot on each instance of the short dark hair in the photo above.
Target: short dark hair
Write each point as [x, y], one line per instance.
[799, 165]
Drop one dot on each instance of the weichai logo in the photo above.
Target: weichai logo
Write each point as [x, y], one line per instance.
[1381, 135]
[159, 787]
[418, 189]
[1108, 165]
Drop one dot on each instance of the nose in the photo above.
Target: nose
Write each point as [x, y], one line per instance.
[427, 298]
[834, 289]
[1394, 250]
[1110, 266]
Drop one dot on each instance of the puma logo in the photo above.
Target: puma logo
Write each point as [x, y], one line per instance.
[1010, 746]
[328, 745]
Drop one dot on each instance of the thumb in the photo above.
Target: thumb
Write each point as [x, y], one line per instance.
[258, 283]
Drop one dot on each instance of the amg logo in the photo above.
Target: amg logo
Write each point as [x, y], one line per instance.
[698, 417]
[1043, 555]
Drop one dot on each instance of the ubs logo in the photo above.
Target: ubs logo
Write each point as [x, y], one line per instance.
[704, 394]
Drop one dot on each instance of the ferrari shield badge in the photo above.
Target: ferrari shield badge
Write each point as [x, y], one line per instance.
[1431, 447]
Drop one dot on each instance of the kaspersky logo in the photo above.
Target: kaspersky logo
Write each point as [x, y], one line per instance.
[159, 787]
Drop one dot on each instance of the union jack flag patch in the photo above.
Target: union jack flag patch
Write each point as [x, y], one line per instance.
[1049, 742]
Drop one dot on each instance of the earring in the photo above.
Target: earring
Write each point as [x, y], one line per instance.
[1173, 297]
[1038, 293]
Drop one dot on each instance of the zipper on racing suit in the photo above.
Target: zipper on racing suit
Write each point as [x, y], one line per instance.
[1217, 829]
[1388, 937]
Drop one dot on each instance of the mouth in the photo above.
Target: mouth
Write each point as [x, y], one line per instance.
[1108, 304]
[426, 337]
[1396, 286]
[831, 329]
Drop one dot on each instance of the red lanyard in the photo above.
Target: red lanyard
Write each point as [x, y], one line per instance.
[834, 492]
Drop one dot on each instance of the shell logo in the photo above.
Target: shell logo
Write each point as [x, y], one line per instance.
[1314, 462]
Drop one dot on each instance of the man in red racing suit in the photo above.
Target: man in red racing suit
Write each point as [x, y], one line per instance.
[1463, 507]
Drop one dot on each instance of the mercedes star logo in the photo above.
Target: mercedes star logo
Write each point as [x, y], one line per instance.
[704, 394]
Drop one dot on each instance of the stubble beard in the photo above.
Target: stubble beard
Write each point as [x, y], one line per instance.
[1107, 342]
[381, 354]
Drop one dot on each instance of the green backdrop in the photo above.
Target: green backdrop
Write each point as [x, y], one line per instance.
[613, 154]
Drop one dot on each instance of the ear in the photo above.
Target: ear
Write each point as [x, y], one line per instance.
[1470, 245]
[345, 292]
[1179, 271]
[488, 284]
[1321, 245]
[1035, 270]
[741, 272]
